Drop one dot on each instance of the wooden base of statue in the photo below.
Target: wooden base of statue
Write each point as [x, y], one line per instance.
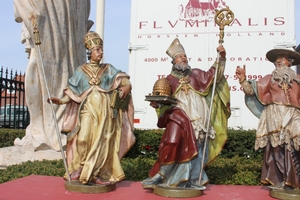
[76, 186]
[175, 192]
[285, 194]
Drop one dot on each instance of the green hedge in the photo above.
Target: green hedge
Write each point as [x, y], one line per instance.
[238, 163]
[45, 167]
[240, 143]
[235, 171]
[7, 136]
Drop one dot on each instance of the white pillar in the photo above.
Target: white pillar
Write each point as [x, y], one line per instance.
[100, 15]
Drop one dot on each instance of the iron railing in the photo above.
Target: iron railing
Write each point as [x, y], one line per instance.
[13, 111]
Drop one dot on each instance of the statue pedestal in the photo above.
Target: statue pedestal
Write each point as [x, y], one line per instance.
[76, 186]
[175, 192]
[285, 194]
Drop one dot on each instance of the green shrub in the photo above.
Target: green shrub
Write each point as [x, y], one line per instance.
[147, 142]
[45, 167]
[238, 163]
[240, 143]
[137, 169]
[234, 171]
[7, 136]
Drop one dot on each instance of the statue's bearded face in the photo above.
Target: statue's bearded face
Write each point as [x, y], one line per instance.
[283, 73]
[181, 63]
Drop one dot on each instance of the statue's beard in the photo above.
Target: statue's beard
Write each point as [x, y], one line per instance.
[284, 74]
[181, 68]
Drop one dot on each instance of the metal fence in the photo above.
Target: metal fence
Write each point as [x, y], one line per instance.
[13, 111]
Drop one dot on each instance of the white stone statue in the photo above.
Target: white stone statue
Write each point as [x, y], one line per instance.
[62, 25]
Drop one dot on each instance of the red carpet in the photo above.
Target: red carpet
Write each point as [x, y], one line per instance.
[49, 187]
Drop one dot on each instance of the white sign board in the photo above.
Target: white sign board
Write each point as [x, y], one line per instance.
[257, 27]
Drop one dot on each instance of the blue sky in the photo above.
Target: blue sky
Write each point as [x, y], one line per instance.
[116, 34]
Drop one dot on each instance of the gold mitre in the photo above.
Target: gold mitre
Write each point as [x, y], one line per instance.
[175, 48]
[92, 39]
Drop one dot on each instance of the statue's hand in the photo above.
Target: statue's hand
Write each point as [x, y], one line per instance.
[222, 51]
[154, 104]
[54, 100]
[241, 73]
[124, 91]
